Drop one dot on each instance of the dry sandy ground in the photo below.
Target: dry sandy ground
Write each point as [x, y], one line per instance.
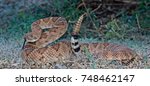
[10, 56]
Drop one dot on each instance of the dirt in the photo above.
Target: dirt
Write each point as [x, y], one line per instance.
[10, 56]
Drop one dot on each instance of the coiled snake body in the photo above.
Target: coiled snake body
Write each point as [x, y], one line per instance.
[47, 30]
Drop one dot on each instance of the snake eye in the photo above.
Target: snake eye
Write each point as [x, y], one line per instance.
[45, 29]
[30, 36]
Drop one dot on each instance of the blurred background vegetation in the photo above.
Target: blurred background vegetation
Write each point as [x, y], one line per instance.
[124, 22]
[107, 19]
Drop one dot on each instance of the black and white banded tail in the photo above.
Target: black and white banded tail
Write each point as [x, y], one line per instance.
[75, 44]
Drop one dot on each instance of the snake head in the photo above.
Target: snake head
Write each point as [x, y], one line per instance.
[29, 37]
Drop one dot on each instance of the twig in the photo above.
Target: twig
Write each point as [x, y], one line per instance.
[129, 2]
[138, 23]
[95, 31]
[96, 8]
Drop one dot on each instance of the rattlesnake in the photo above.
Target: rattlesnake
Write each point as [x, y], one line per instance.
[47, 30]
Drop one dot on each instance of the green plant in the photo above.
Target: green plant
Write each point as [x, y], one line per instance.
[113, 30]
[20, 24]
[140, 17]
[67, 9]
